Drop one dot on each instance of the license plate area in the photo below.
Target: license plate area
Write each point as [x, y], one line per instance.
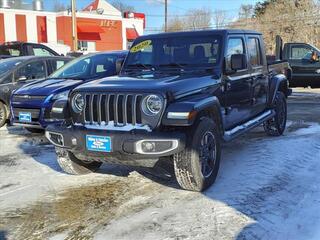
[25, 117]
[98, 143]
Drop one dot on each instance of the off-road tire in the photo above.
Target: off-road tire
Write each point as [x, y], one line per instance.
[34, 130]
[72, 165]
[3, 114]
[277, 125]
[187, 164]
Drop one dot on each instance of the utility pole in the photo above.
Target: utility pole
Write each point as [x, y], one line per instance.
[166, 15]
[74, 25]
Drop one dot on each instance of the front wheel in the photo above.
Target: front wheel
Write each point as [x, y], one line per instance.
[276, 125]
[196, 167]
[3, 114]
[72, 165]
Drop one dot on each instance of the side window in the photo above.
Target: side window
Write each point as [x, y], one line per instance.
[56, 64]
[33, 70]
[235, 46]
[40, 51]
[300, 52]
[254, 52]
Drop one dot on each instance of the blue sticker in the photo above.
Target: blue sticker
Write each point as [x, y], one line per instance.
[98, 143]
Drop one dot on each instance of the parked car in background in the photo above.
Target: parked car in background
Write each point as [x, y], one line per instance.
[304, 61]
[16, 49]
[177, 97]
[32, 105]
[18, 71]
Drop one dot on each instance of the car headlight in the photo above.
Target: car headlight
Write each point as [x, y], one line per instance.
[61, 96]
[152, 105]
[78, 103]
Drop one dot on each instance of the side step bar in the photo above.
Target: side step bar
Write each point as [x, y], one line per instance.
[238, 130]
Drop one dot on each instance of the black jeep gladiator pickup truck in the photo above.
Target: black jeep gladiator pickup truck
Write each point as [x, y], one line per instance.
[177, 97]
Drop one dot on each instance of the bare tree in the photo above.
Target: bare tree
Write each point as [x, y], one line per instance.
[246, 11]
[122, 7]
[293, 20]
[194, 19]
[198, 19]
[219, 19]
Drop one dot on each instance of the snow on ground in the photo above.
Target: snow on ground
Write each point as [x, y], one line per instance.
[267, 188]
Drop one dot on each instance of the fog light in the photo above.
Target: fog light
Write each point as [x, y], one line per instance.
[148, 146]
[156, 146]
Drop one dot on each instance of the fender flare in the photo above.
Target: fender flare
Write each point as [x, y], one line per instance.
[278, 83]
[193, 105]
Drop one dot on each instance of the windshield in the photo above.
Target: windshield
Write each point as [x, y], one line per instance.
[88, 67]
[10, 50]
[179, 52]
[8, 64]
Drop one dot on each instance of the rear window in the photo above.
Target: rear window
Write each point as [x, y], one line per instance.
[10, 50]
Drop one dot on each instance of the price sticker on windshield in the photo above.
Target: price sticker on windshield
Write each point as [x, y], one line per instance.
[140, 46]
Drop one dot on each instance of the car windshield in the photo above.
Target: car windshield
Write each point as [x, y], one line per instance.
[174, 53]
[10, 50]
[88, 67]
[7, 65]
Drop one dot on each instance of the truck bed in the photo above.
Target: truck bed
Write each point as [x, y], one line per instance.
[279, 67]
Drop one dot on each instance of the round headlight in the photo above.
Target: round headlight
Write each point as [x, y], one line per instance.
[78, 103]
[152, 105]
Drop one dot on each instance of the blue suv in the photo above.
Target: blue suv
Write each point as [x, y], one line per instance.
[31, 105]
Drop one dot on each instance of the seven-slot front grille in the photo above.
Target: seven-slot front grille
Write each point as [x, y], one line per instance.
[119, 109]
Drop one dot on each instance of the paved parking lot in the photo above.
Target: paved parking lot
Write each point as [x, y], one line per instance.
[268, 188]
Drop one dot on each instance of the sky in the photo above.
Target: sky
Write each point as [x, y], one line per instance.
[154, 9]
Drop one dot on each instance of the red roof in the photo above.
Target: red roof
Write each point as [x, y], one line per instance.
[132, 33]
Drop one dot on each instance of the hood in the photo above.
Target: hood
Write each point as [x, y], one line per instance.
[5, 56]
[175, 85]
[48, 87]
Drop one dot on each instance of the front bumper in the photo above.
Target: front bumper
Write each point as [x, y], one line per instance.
[127, 146]
[40, 117]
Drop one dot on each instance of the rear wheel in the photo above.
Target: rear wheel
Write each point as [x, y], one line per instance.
[276, 125]
[72, 165]
[34, 130]
[3, 114]
[196, 167]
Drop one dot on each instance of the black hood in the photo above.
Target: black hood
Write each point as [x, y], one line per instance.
[175, 85]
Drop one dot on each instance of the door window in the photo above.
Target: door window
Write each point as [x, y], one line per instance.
[6, 80]
[235, 46]
[300, 52]
[40, 51]
[33, 70]
[254, 52]
[56, 64]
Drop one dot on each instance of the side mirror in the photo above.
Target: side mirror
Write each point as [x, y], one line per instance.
[238, 62]
[119, 64]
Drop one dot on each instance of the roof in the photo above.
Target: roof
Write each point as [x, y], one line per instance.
[26, 58]
[203, 32]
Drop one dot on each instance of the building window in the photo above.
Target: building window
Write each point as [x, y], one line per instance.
[86, 46]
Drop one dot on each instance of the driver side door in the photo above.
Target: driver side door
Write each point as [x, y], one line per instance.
[304, 69]
[238, 86]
